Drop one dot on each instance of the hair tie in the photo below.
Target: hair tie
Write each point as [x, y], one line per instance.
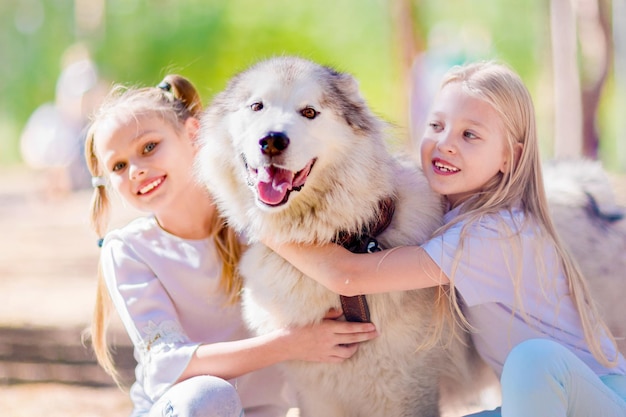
[98, 182]
[165, 86]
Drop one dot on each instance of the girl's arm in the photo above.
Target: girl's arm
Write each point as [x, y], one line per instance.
[328, 341]
[347, 273]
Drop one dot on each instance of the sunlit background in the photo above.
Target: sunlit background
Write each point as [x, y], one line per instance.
[139, 41]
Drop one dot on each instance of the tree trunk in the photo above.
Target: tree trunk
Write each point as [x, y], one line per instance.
[567, 96]
[410, 44]
[596, 47]
[619, 103]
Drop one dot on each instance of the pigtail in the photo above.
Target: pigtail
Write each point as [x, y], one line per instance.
[183, 91]
[100, 214]
[99, 325]
[229, 249]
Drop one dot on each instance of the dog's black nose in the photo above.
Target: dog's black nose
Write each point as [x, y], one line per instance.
[274, 143]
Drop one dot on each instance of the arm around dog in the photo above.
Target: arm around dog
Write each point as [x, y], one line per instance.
[330, 341]
[346, 273]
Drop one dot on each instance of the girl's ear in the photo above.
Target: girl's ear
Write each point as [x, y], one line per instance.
[517, 154]
[192, 127]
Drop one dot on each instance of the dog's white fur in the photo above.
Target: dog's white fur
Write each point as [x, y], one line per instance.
[393, 375]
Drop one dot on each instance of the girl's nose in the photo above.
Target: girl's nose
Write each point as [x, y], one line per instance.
[136, 171]
[445, 142]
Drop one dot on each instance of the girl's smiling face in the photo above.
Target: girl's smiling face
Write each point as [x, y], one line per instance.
[463, 146]
[146, 159]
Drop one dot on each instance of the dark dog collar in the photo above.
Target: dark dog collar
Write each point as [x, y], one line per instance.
[355, 308]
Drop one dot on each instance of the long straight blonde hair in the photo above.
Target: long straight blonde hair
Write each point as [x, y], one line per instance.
[175, 99]
[521, 186]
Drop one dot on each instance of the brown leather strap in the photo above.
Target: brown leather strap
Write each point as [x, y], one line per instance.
[355, 308]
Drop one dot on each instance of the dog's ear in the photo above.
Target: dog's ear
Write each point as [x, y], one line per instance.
[349, 85]
[345, 96]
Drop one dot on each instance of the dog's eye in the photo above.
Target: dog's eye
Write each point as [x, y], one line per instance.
[258, 106]
[309, 112]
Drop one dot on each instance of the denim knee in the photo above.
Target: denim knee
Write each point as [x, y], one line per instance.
[544, 378]
[217, 395]
[531, 356]
[201, 396]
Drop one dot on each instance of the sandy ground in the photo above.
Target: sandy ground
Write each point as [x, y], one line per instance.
[58, 400]
[48, 257]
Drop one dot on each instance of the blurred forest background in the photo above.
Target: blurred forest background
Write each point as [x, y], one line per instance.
[569, 52]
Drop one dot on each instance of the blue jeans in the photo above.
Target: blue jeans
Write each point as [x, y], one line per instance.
[200, 396]
[542, 378]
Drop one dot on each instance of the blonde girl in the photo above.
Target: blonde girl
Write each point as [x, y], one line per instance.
[172, 275]
[515, 287]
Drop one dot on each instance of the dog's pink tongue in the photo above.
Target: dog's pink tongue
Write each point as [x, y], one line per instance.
[273, 184]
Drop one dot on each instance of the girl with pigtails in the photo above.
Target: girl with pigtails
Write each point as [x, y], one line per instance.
[172, 275]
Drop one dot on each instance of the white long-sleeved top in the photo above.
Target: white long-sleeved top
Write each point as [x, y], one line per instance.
[166, 292]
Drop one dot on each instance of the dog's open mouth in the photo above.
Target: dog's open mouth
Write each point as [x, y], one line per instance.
[274, 184]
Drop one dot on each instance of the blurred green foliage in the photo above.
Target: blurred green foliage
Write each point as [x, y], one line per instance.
[205, 40]
[139, 41]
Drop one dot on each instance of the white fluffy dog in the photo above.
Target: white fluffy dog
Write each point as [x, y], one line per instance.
[291, 150]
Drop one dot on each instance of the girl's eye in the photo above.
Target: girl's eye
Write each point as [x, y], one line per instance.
[309, 112]
[469, 135]
[436, 126]
[258, 106]
[149, 147]
[118, 166]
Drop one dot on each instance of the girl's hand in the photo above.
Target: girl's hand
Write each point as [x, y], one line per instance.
[330, 341]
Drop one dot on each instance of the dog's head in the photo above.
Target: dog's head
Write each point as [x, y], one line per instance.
[276, 127]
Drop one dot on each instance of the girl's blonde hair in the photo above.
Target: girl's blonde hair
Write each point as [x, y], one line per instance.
[175, 99]
[522, 185]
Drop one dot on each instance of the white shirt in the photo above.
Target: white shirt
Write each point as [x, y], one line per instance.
[166, 291]
[483, 278]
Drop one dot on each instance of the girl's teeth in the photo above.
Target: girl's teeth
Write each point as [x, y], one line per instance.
[149, 187]
[445, 168]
